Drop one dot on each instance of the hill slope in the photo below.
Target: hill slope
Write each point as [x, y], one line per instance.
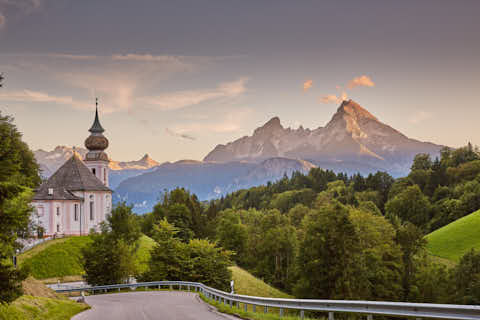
[62, 257]
[455, 239]
[247, 284]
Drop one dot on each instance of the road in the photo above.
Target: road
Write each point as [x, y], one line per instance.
[158, 305]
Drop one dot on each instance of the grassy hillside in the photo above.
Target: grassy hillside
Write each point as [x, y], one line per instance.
[62, 257]
[40, 302]
[246, 283]
[455, 239]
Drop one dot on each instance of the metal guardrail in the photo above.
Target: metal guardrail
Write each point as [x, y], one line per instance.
[368, 308]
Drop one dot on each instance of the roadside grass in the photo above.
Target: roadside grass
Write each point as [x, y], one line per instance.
[40, 302]
[452, 241]
[29, 307]
[258, 315]
[61, 259]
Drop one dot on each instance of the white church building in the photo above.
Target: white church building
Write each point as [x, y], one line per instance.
[76, 198]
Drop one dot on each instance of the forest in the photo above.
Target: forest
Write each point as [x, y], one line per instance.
[333, 236]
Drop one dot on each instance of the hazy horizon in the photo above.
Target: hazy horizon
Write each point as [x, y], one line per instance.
[175, 79]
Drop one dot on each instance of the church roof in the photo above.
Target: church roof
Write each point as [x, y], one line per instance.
[73, 175]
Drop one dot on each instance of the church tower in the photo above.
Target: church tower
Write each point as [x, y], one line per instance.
[96, 159]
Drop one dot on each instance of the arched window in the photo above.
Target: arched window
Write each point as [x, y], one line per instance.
[93, 171]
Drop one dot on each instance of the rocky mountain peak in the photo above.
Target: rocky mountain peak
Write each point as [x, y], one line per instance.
[271, 126]
[353, 109]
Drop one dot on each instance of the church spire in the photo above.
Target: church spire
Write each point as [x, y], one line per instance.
[96, 126]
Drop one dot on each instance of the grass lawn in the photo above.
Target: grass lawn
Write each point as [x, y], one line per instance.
[452, 241]
[61, 259]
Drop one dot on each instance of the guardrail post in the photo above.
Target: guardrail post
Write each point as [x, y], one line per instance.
[171, 288]
[118, 289]
[245, 307]
[369, 317]
[238, 305]
[224, 301]
[265, 309]
[188, 287]
[159, 287]
[231, 303]
[254, 307]
[302, 314]
[330, 316]
[281, 312]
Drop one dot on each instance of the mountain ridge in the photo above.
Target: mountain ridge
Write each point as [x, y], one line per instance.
[352, 134]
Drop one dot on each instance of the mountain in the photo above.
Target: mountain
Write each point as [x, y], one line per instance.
[208, 180]
[352, 141]
[145, 163]
[50, 161]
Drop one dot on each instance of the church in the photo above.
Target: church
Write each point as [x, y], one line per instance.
[77, 197]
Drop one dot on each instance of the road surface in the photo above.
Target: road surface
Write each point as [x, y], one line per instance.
[150, 305]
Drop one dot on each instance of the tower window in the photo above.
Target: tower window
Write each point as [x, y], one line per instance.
[58, 228]
[75, 212]
[93, 171]
[58, 211]
[91, 210]
[104, 176]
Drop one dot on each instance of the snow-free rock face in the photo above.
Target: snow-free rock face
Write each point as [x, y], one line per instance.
[144, 163]
[353, 136]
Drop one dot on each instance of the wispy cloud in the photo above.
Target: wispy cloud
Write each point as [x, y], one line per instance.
[419, 117]
[307, 85]
[181, 99]
[232, 121]
[332, 98]
[37, 96]
[362, 81]
[179, 135]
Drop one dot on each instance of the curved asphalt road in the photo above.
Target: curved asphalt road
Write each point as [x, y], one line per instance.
[150, 305]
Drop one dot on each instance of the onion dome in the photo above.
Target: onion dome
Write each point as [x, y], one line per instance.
[96, 142]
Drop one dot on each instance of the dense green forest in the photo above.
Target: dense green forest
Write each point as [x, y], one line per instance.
[333, 236]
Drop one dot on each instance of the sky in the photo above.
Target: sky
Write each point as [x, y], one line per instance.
[176, 78]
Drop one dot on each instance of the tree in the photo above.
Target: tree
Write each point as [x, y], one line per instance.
[422, 161]
[232, 235]
[18, 176]
[110, 259]
[328, 248]
[184, 211]
[410, 205]
[169, 259]
[412, 243]
[199, 260]
[123, 224]
[466, 276]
